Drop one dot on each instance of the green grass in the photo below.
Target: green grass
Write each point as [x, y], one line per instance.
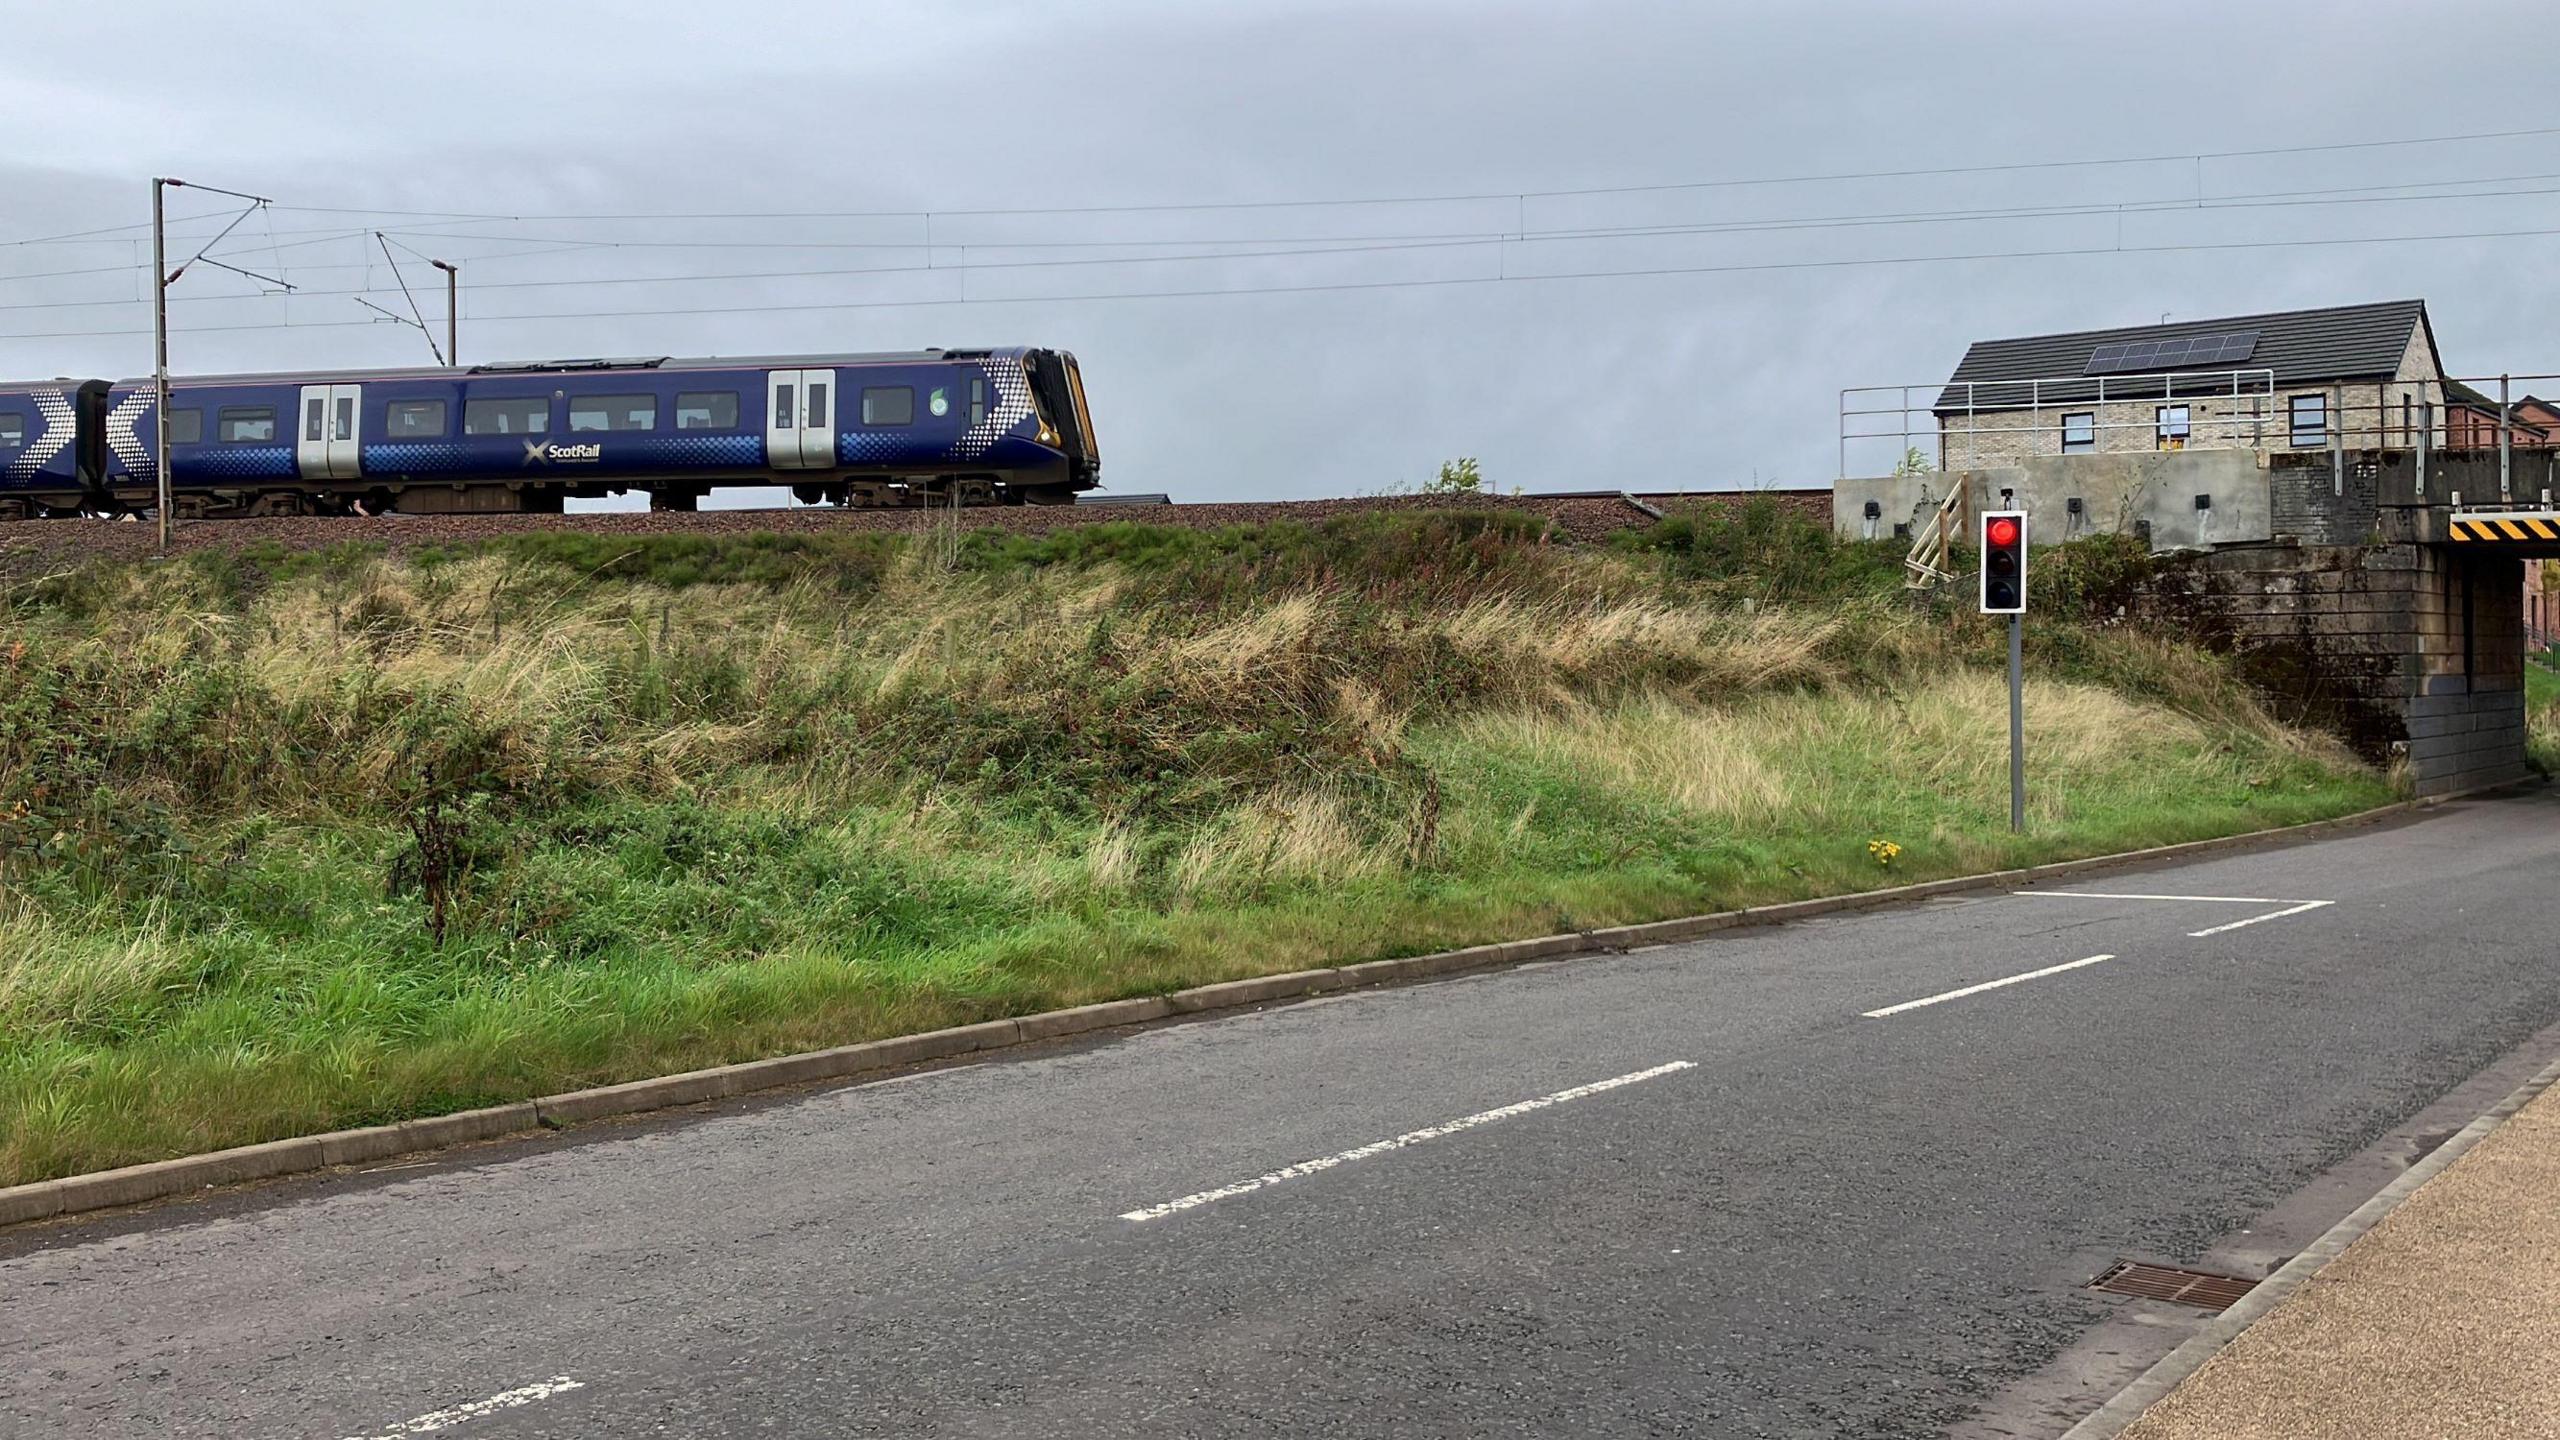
[2542, 711]
[291, 843]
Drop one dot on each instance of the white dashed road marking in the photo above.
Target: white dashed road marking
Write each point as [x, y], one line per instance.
[2292, 907]
[2197, 899]
[435, 1420]
[2254, 919]
[1985, 985]
[1410, 1137]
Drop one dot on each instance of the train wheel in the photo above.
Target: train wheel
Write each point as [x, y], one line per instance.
[679, 500]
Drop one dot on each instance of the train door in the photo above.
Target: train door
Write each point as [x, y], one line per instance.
[799, 419]
[818, 404]
[328, 443]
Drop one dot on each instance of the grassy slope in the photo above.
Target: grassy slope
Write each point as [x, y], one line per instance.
[2542, 710]
[681, 802]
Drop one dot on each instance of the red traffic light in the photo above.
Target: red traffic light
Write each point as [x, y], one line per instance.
[2002, 531]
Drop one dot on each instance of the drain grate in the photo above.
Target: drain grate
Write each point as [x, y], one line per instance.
[2200, 1288]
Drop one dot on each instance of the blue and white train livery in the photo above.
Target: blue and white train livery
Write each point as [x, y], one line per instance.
[1007, 426]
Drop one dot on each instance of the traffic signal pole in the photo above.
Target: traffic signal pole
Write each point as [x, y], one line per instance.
[2017, 725]
[2004, 592]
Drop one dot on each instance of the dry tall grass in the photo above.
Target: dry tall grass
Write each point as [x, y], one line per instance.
[676, 823]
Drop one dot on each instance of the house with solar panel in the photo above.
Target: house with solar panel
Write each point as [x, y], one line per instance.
[2349, 518]
[2352, 376]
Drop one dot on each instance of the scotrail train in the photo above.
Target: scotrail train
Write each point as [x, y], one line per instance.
[924, 427]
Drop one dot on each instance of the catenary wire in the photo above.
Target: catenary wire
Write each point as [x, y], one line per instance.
[1367, 285]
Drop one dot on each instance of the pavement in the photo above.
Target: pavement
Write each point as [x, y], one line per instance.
[2444, 1320]
[1848, 1177]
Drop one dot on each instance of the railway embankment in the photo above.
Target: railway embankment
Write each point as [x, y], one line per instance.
[31, 549]
[295, 837]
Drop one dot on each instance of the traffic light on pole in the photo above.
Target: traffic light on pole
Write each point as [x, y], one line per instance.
[2004, 562]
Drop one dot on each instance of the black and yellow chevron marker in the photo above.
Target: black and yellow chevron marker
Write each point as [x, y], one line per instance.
[2544, 525]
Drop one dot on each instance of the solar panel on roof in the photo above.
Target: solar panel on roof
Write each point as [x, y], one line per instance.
[2185, 352]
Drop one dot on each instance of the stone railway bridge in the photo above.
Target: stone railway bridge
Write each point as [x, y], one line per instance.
[2378, 594]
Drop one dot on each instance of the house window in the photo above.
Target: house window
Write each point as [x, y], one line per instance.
[246, 425]
[414, 419]
[707, 410]
[528, 416]
[2310, 417]
[613, 412]
[2079, 432]
[2173, 427]
[889, 405]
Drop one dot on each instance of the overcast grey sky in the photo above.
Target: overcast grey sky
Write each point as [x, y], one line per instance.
[1725, 376]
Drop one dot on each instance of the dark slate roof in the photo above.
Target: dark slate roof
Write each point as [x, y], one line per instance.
[2343, 342]
[2457, 393]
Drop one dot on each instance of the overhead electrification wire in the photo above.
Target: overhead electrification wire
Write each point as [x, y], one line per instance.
[1367, 285]
[2275, 199]
[1165, 207]
[1324, 248]
[2261, 152]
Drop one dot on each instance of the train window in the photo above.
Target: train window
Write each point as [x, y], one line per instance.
[707, 410]
[13, 432]
[977, 402]
[817, 415]
[314, 412]
[414, 419]
[528, 416]
[613, 412]
[186, 427]
[245, 424]
[889, 405]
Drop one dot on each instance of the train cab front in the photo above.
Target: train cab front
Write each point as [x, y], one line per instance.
[1066, 421]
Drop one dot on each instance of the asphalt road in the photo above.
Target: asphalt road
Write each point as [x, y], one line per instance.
[1790, 1217]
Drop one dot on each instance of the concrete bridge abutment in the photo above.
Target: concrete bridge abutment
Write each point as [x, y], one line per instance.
[2413, 654]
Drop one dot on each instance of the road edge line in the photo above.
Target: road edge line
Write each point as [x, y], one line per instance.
[274, 1159]
[2172, 1370]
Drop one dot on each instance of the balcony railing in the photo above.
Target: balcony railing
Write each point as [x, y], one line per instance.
[1975, 424]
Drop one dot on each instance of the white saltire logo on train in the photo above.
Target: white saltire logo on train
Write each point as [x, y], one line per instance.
[538, 453]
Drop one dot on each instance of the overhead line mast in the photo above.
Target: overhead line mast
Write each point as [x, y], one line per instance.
[162, 277]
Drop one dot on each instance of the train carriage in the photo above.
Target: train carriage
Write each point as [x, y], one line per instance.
[48, 457]
[999, 426]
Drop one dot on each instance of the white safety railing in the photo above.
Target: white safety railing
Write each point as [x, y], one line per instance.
[1974, 415]
[1973, 424]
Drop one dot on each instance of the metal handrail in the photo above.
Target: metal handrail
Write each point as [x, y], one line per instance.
[2415, 414]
